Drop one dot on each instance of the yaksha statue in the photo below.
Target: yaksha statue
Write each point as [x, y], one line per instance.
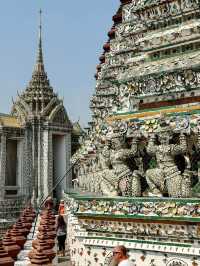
[83, 173]
[166, 177]
[107, 178]
[128, 181]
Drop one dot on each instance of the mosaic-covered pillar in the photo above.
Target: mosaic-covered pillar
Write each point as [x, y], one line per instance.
[34, 161]
[27, 166]
[47, 163]
[20, 167]
[2, 165]
[40, 185]
[50, 162]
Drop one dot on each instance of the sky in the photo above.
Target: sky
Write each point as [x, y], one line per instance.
[74, 32]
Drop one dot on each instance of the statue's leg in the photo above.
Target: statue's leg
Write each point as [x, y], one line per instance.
[88, 185]
[97, 183]
[107, 189]
[124, 185]
[129, 184]
[93, 188]
[155, 181]
[186, 186]
[108, 186]
[83, 183]
[174, 186]
[136, 184]
[173, 182]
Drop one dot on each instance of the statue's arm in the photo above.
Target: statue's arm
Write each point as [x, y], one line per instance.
[128, 153]
[134, 147]
[180, 148]
[198, 140]
[151, 147]
[106, 153]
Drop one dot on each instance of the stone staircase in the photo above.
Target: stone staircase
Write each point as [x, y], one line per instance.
[22, 258]
[64, 261]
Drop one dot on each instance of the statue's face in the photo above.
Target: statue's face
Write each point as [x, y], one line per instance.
[116, 143]
[164, 138]
[106, 148]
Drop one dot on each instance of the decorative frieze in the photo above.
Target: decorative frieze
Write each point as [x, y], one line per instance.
[149, 241]
[158, 209]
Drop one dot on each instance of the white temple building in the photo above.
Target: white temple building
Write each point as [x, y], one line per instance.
[35, 140]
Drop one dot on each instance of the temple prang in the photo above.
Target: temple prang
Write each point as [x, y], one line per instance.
[137, 176]
[35, 144]
[147, 87]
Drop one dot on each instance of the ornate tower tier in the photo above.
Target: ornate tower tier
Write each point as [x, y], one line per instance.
[47, 140]
[38, 100]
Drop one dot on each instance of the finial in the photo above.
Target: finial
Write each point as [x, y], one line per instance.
[39, 63]
[40, 26]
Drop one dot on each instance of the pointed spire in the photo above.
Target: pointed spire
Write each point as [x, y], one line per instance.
[39, 67]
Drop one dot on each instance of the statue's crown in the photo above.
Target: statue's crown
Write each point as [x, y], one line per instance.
[119, 129]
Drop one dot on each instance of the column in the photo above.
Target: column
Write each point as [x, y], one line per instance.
[2, 166]
[68, 158]
[40, 163]
[50, 161]
[47, 163]
[27, 165]
[20, 178]
[59, 159]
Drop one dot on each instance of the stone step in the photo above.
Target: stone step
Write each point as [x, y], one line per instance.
[22, 263]
[63, 259]
[23, 255]
[28, 245]
[66, 263]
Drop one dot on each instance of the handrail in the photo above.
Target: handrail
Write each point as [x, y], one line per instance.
[59, 180]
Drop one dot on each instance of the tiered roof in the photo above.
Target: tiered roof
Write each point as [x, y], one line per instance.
[39, 99]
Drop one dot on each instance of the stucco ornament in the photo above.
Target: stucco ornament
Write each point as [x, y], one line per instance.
[166, 177]
[128, 181]
[108, 179]
[124, 99]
